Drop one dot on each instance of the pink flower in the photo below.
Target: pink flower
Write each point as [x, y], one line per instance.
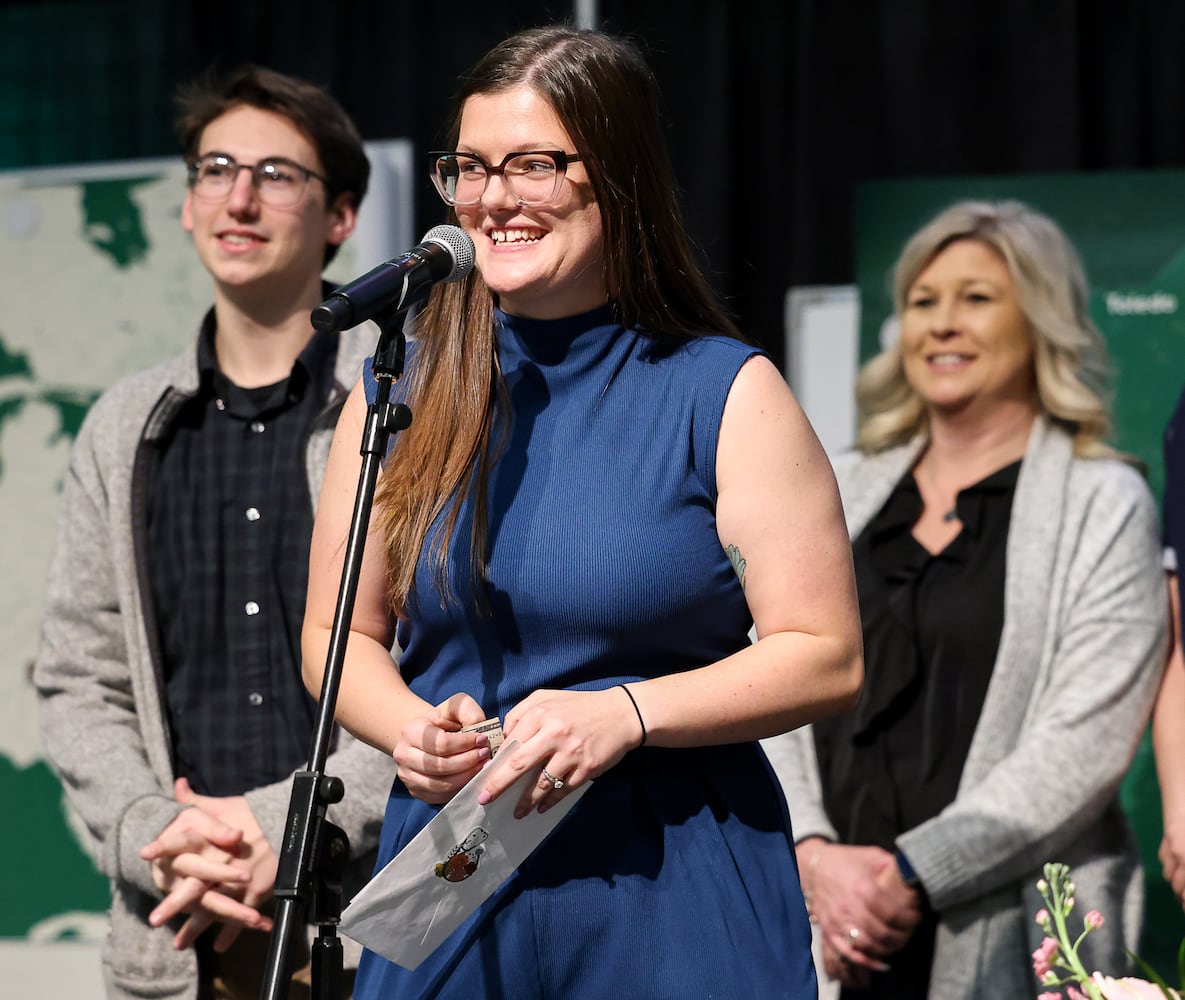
[1049, 996]
[1043, 956]
[1093, 920]
[1042, 918]
[1073, 993]
[1129, 989]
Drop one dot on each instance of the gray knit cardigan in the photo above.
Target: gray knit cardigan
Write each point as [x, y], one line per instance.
[99, 683]
[1076, 672]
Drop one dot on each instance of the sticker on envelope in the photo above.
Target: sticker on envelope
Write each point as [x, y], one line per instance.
[450, 868]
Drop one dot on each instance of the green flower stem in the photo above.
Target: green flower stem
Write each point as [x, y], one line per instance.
[1059, 903]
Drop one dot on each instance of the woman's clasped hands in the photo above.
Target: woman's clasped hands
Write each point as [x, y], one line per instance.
[864, 910]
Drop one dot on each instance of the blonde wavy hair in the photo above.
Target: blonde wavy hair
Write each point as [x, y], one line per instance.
[1070, 358]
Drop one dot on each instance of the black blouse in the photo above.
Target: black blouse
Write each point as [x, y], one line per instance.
[931, 626]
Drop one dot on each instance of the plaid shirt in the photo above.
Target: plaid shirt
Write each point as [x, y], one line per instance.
[229, 521]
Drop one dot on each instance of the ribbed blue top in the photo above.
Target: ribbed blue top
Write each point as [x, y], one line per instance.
[675, 875]
[604, 561]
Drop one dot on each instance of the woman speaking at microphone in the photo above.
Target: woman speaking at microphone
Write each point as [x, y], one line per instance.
[603, 489]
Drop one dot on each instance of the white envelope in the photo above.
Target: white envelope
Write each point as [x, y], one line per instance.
[449, 868]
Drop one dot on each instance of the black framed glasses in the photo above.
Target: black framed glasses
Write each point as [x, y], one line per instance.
[532, 177]
[279, 182]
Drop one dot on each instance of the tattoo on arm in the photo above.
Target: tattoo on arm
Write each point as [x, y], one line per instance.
[738, 562]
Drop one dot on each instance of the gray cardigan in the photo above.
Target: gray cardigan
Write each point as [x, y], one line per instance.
[98, 675]
[1077, 669]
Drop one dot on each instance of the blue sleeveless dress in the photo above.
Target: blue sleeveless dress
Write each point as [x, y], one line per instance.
[675, 875]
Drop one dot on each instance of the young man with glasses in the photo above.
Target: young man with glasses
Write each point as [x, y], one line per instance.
[169, 674]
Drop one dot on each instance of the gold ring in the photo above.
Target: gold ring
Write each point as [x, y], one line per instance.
[556, 783]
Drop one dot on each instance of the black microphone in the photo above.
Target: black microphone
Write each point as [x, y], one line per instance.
[446, 254]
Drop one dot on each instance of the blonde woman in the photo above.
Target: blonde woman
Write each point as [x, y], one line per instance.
[1014, 624]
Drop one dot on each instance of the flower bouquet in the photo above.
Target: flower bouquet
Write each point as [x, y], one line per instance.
[1058, 965]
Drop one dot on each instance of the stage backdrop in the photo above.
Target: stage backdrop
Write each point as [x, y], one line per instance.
[100, 281]
[1131, 235]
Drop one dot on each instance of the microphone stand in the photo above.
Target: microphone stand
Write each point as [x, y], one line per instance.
[315, 851]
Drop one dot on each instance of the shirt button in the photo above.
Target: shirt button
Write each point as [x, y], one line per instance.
[255, 698]
[257, 426]
[220, 404]
[252, 513]
[251, 608]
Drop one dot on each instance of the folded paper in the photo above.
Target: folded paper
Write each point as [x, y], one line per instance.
[450, 868]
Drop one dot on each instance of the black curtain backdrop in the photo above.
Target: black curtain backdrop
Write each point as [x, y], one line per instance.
[775, 110]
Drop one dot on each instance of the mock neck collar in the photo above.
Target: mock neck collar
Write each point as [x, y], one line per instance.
[552, 341]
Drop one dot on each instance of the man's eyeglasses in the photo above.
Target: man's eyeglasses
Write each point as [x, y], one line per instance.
[279, 182]
[532, 177]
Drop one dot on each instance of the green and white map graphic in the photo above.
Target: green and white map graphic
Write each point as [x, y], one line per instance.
[100, 280]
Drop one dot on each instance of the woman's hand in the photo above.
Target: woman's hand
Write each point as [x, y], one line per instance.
[435, 759]
[849, 975]
[574, 735]
[1172, 854]
[865, 915]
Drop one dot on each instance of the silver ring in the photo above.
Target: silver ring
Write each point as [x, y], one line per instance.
[556, 783]
[853, 933]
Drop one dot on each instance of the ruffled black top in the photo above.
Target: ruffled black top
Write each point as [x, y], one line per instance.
[932, 626]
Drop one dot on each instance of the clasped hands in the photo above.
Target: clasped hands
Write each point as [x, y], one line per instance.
[864, 910]
[213, 863]
[575, 735]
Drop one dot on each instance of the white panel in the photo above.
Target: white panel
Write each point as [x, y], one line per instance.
[822, 358]
[50, 971]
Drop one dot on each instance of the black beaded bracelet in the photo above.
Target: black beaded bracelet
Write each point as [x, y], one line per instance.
[637, 711]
